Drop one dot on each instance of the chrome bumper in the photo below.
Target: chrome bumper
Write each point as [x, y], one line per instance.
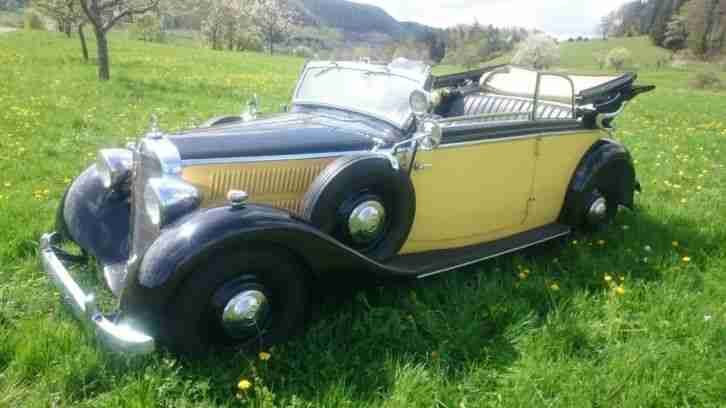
[116, 337]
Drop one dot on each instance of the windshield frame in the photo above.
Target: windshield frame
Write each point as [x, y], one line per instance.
[419, 77]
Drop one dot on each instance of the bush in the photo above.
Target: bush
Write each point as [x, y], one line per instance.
[33, 21]
[303, 52]
[707, 81]
[148, 28]
[618, 57]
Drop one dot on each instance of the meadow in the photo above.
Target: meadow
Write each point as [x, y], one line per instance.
[633, 316]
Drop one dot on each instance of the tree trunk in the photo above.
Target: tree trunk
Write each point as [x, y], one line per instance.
[104, 72]
[271, 37]
[84, 47]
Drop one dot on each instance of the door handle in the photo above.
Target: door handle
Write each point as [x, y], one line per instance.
[422, 166]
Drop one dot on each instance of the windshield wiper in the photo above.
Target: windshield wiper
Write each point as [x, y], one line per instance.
[333, 65]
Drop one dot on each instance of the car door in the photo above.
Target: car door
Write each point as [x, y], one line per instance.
[474, 187]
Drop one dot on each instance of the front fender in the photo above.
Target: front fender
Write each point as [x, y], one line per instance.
[185, 248]
[96, 218]
[607, 165]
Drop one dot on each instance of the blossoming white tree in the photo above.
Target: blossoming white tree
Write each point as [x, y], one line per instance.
[273, 19]
[539, 51]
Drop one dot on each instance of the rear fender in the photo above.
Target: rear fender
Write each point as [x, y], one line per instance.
[608, 166]
[186, 247]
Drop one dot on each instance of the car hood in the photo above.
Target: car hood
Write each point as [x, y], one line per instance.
[284, 134]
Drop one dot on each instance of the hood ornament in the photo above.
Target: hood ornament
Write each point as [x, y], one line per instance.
[250, 111]
[154, 131]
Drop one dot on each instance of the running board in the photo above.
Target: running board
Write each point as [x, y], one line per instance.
[434, 262]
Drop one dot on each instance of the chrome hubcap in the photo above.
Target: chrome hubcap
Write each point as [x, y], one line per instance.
[598, 210]
[245, 312]
[366, 221]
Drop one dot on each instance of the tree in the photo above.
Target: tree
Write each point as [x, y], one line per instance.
[600, 58]
[103, 15]
[273, 19]
[676, 34]
[605, 26]
[706, 25]
[618, 57]
[68, 15]
[148, 28]
[538, 51]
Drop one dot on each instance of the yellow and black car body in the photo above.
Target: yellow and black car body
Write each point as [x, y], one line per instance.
[216, 235]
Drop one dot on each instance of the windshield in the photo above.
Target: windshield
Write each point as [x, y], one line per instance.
[375, 92]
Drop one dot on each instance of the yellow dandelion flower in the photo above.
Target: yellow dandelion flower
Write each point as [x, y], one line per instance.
[608, 278]
[601, 242]
[620, 290]
[554, 287]
[675, 244]
[264, 356]
[244, 385]
[686, 259]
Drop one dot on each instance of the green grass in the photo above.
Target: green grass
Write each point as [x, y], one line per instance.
[480, 336]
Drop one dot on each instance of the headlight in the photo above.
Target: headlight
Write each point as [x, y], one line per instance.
[113, 166]
[168, 198]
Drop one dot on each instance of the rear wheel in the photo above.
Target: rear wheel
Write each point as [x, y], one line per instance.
[240, 298]
[601, 209]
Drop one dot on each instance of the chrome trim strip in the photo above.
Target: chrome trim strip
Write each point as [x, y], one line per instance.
[508, 251]
[474, 118]
[253, 159]
[117, 337]
[511, 138]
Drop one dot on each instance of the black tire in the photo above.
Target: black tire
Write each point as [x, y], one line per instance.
[193, 318]
[61, 228]
[352, 179]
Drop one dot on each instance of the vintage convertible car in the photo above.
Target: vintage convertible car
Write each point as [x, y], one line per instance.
[217, 235]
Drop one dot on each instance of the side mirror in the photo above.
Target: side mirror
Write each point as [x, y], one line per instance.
[284, 108]
[420, 102]
[429, 135]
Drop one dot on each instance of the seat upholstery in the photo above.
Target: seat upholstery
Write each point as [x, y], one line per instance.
[479, 103]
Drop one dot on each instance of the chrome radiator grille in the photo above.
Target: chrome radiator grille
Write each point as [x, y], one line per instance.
[143, 231]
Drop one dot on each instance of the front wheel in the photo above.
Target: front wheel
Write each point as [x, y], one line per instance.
[240, 298]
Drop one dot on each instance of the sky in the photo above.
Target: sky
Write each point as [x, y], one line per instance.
[561, 18]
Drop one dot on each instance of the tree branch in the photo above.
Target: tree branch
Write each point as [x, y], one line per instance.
[152, 5]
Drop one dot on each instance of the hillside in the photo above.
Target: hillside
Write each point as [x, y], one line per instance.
[357, 21]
